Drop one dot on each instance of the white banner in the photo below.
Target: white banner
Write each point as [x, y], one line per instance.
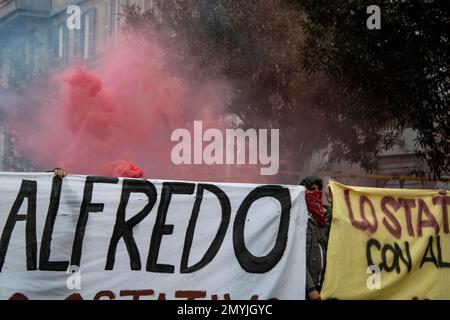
[107, 238]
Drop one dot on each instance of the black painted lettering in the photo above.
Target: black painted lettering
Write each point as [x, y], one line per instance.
[217, 242]
[124, 229]
[44, 256]
[87, 207]
[247, 260]
[28, 190]
[161, 228]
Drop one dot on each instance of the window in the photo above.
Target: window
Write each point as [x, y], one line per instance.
[116, 18]
[89, 22]
[77, 42]
[62, 43]
[30, 48]
[109, 16]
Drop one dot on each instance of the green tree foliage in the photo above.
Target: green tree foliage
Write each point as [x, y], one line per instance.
[254, 46]
[314, 70]
[383, 80]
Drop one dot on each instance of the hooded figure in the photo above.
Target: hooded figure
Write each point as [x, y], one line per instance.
[316, 236]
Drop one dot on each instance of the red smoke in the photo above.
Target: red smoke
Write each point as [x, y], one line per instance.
[125, 107]
[123, 168]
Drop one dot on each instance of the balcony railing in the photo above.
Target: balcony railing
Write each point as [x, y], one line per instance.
[38, 8]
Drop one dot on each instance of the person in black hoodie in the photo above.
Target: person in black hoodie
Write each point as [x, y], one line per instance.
[316, 236]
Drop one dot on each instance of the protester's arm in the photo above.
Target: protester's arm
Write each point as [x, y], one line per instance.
[311, 288]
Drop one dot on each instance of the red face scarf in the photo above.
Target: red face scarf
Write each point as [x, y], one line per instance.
[315, 207]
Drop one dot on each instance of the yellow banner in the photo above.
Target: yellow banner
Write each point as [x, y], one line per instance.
[388, 244]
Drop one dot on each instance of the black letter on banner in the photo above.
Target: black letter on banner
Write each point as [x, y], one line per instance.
[217, 242]
[442, 264]
[161, 228]
[372, 243]
[249, 262]
[124, 229]
[44, 263]
[28, 190]
[86, 208]
[432, 257]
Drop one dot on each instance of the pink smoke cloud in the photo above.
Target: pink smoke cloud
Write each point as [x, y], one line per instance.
[116, 118]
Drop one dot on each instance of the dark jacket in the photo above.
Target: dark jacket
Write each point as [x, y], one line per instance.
[329, 217]
[316, 252]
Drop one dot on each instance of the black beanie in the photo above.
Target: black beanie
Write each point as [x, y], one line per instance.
[308, 182]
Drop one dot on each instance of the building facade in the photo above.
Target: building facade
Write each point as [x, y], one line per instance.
[392, 166]
[34, 35]
[35, 39]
